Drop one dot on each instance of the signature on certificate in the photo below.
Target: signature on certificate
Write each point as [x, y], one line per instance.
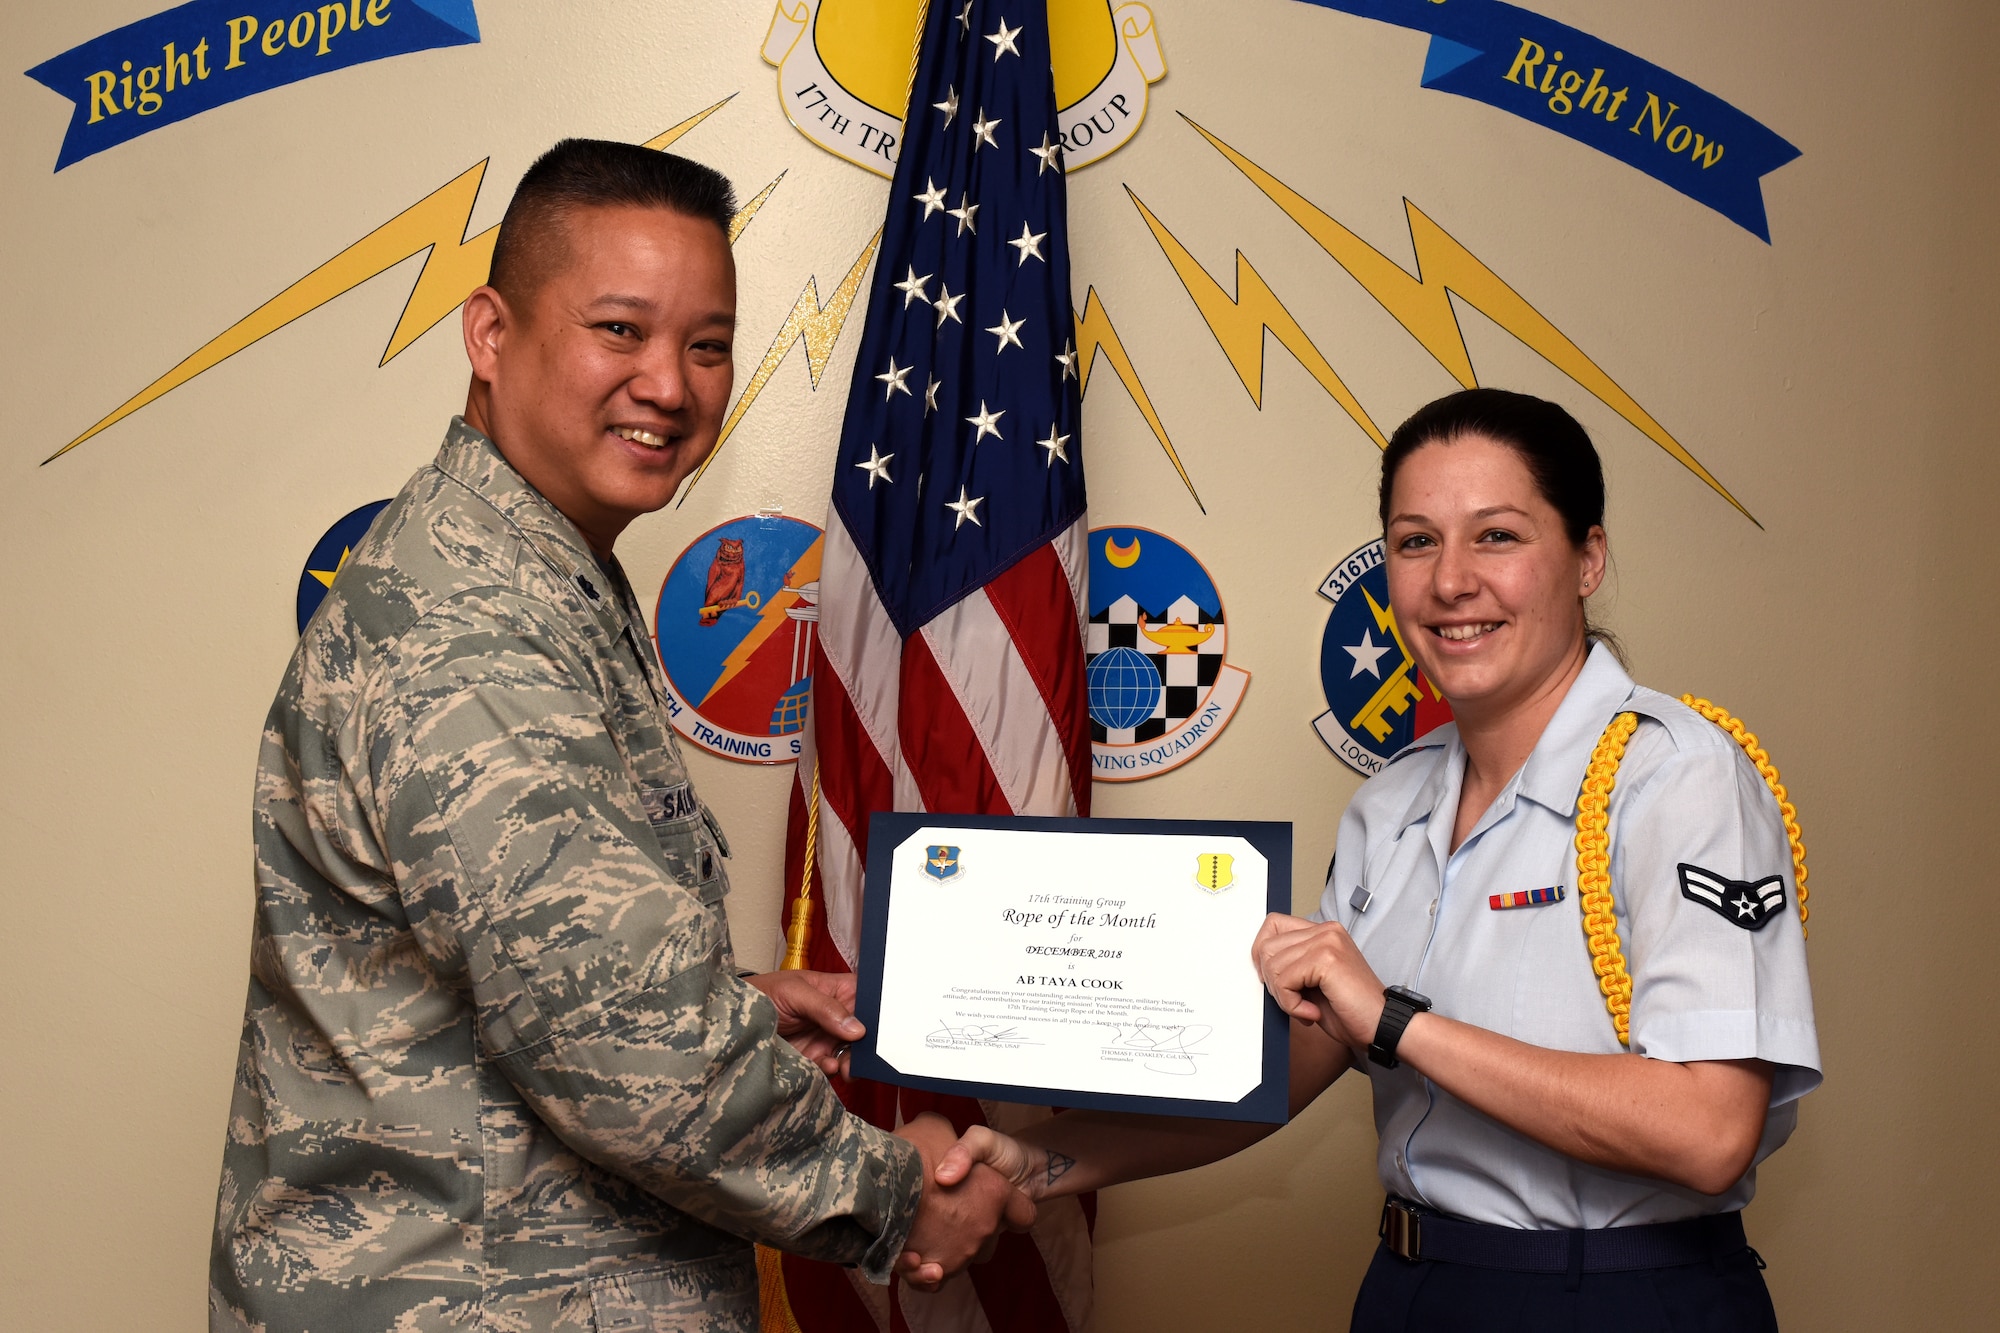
[975, 1034]
[1171, 1046]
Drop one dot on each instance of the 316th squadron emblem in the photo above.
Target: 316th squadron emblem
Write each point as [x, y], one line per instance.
[1215, 871]
[1377, 701]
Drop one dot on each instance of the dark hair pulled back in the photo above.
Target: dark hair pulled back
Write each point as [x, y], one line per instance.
[1551, 443]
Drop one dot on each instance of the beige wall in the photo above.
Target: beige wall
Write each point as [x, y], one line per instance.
[1833, 380]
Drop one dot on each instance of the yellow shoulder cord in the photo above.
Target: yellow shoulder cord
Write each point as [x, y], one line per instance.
[1593, 849]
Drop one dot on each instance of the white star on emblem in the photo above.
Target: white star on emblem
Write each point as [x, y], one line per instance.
[1057, 445]
[912, 288]
[965, 213]
[949, 106]
[930, 396]
[982, 131]
[1008, 331]
[988, 422]
[893, 380]
[1066, 358]
[1048, 152]
[947, 305]
[1367, 656]
[965, 16]
[877, 467]
[967, 510]
[1744, 907]
[1029, 243]
[1003, 41]
[932, 198]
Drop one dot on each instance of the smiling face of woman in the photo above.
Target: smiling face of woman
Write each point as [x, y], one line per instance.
[1485, 581]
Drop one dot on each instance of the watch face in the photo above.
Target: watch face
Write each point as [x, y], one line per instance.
[1408, 996]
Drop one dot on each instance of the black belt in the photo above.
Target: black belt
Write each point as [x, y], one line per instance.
[1410, 1232]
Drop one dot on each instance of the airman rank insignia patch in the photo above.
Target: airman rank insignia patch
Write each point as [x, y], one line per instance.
[1500, 902]
[942, 863]
[1748, 904]
[1215, 871]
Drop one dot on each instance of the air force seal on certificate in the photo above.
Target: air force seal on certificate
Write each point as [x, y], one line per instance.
[1215, 871]
[1377, 701]
[942, 864]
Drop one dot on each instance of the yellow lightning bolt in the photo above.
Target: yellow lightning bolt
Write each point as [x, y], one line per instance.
[770, 618]
[455, 266]
[1239, 323]
[1094, 334]
[1421, 303]
[817, 326]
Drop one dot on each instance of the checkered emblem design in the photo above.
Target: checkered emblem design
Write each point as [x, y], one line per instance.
[1184, 677]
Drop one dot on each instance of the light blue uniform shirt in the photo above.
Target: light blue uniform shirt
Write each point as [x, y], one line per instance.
[1717, 961]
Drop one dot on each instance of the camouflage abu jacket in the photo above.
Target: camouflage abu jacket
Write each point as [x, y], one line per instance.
[497, 1069]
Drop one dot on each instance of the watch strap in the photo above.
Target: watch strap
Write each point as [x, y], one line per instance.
[1397, 1011]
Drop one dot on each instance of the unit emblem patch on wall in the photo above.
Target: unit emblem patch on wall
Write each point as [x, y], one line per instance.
[1376, 700]
[844, 72]
[1160, 691]
[329, 556]
[735, 624]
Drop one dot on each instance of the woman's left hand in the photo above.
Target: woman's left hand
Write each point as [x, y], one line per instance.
[1317, 975]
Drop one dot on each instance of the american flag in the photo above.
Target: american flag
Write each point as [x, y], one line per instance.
[948, 673]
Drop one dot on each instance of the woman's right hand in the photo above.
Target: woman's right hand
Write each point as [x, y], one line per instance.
[1029, 1169]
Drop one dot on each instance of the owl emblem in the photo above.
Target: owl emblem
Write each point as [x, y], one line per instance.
[725, 580]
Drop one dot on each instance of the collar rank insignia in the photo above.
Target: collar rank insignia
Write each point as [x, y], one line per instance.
[942, 863]
[1745, 903]
[1499, 902]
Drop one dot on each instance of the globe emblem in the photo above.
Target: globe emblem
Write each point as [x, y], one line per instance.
[789, 715]
[1124, 688]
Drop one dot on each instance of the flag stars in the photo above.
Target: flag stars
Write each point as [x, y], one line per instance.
[876, 465]
[967, 510]
[930, 395]
[947, 305]
[1003, 41]
[965, 17]
[1056, 445]
[1008, 331]
[1049, 153]
[913, 287]
[967, 214]
[949, 106]
[1029, 243]
[893, 379]
[1066, 358]
[932, 198]
[988, 422]
[982, 131]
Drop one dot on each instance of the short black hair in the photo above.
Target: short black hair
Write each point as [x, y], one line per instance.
[1550, 442]
[595, 173]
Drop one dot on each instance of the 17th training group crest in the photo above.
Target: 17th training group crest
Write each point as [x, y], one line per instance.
[844, 71]
[735, 624]
[1376, 700]
[1160, 691]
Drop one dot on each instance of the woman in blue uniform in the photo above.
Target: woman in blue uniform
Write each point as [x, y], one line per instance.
[1561, 936]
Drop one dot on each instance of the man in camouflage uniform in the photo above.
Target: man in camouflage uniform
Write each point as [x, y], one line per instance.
[498, 1068]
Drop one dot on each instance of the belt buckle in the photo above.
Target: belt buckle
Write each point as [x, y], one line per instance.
[1401, 1229]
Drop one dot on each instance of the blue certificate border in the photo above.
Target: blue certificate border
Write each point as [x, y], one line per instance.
[1267, 1103]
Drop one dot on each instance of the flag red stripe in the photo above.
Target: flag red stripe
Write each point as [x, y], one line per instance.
[942, 750]
[854, 780]
[1034, 601]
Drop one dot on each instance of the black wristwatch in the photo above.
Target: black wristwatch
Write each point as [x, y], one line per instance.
[1400, 1004]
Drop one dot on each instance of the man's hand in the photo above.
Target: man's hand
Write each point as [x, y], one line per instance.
[815, 1014]
[1317, 975]
[1029, 1170]
[956, 1223]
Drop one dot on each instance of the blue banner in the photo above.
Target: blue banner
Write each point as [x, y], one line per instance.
[1595, 93]
[201, 55]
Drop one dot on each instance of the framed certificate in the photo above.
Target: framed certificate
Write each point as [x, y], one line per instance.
[1075, 962]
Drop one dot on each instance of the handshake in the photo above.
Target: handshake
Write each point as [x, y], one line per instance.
[973, 1186]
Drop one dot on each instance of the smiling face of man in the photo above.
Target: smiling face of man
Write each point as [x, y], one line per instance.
[605, 383]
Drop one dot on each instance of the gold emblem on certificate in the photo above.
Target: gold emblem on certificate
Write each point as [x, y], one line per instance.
[1215, 871]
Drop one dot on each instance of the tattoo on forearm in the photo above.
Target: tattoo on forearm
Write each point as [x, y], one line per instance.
[1058, 1165]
